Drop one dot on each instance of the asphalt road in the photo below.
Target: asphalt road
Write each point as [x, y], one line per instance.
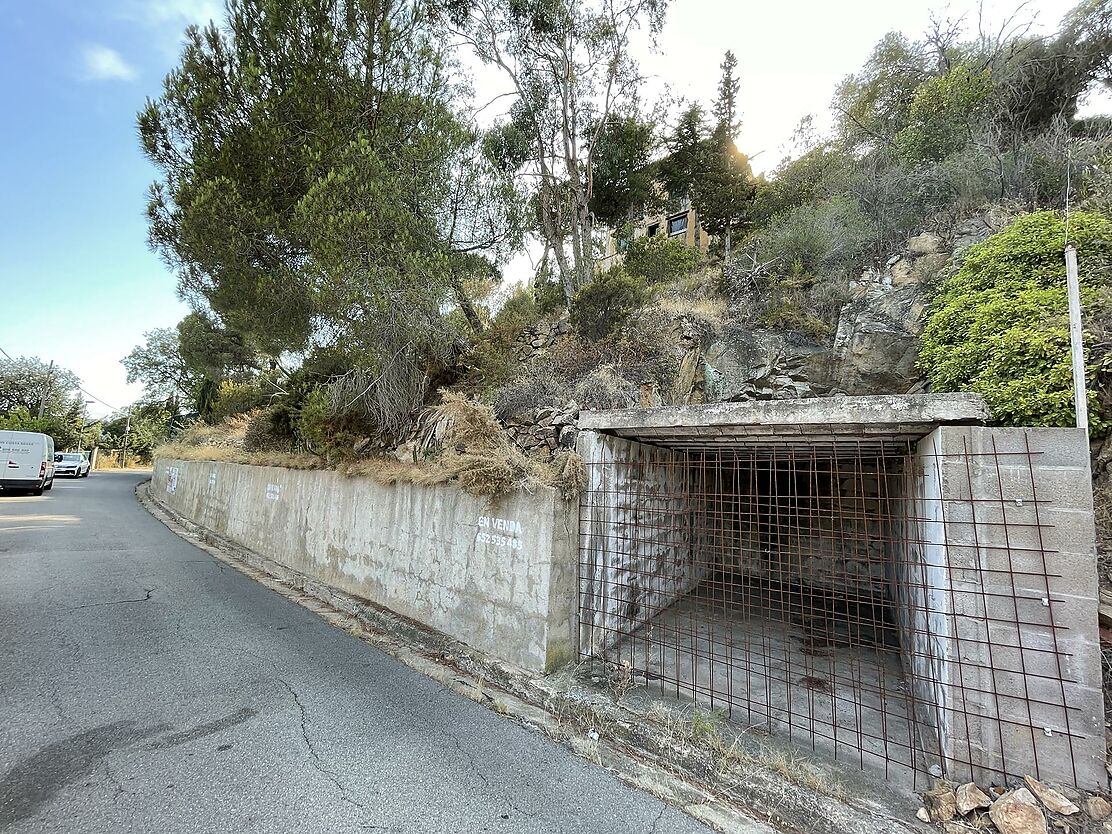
[144, 686]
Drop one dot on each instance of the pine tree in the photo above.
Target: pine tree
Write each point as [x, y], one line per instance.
[725, 106]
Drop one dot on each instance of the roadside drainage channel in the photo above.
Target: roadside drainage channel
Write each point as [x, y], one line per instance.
[748, 784]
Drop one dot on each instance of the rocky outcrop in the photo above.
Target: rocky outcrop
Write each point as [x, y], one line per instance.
[765, 364]
[875, 346]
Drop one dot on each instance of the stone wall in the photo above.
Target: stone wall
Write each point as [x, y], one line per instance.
[497, 574]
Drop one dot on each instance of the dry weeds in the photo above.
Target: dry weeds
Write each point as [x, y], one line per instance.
[464, 443]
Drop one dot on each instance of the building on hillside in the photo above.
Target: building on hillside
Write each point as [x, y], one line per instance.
[675, 219]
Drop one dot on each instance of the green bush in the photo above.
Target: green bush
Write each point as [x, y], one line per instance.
[335, 434]
[492, 361]
[659, 259]
[604, 304]
[236, 398]
[548, 294]
[1000, 325]
[265, 432]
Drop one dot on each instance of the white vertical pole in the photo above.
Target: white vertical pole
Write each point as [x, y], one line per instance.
[1077, 347]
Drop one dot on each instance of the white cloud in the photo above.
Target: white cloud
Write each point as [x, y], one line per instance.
[174, 12]
[101, 63]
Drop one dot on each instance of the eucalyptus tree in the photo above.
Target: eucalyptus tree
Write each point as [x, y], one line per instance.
[568, 67]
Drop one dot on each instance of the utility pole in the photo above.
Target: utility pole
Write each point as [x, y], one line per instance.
[1077, 346]
[127, 430]
[45, 388]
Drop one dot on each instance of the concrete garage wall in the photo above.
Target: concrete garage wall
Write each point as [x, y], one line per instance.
[497, 574]
[1022, 686]
[629, 579]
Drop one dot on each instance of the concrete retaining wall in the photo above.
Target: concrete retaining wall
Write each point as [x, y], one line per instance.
[497, 574]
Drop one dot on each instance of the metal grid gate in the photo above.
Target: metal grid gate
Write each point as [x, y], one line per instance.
[870, 599]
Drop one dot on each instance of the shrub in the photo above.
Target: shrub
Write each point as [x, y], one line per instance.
[265, 432]
[1000, 327]
[535, 390]
[604, 304]
[333, 433]
[548, 294]
[236, 398]
[659, 259]
[606, 388]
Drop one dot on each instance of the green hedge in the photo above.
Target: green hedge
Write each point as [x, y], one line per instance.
[1000, 325]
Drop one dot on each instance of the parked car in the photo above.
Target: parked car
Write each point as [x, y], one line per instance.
[26, 461]
[73, 464]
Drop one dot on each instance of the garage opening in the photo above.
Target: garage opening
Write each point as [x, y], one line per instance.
[866, 592]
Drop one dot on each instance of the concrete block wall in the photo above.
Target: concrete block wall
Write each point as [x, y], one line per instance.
[497, 574]
[640, 525]
[1006, 658]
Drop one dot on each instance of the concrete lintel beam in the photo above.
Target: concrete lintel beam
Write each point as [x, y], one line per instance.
[923, 412]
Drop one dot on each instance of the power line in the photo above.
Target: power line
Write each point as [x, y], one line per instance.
[98, 399]
[79, 388]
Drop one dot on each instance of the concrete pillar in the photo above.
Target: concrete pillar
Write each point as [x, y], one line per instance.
[1001, 646]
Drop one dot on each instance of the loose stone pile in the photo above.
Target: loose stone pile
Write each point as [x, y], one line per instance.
[544, 430]
[1023, 810]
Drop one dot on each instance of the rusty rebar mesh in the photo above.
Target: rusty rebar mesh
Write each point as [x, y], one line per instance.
[839, 595]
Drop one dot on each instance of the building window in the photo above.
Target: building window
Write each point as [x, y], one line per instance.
[677, 225]
[652, 230]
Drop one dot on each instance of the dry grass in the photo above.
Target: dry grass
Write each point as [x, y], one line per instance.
[705, 732]
[711, 308]
[472, 450]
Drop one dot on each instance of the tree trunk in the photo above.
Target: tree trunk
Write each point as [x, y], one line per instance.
[466, 306]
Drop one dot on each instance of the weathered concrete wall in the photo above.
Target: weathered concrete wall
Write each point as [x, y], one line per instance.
[823, 525]
[630, 573]
[497, 574]
[1013, 619]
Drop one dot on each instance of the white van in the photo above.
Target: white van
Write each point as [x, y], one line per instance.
[26, 461]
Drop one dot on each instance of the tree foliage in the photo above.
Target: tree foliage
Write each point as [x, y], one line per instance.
[322, 186]
[1000, 325]
[622, 175]
[569, 66]
[161, 368]
[27, 383]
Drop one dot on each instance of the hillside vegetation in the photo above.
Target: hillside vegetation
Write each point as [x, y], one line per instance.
[341, 237]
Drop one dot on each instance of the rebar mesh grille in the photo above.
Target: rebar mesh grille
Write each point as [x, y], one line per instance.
[884, 602]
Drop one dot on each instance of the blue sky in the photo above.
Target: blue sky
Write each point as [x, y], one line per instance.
[77, 282]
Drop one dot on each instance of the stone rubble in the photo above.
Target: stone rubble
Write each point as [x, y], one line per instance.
[1018, 812]
[1033, 808]
[1051, 798]
[941, 803]
[1097, 807]
[970, 798]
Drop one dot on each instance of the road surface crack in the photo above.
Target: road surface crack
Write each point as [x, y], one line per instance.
[659, 817]
[482, 776]
[146, 598]
[318, 763]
